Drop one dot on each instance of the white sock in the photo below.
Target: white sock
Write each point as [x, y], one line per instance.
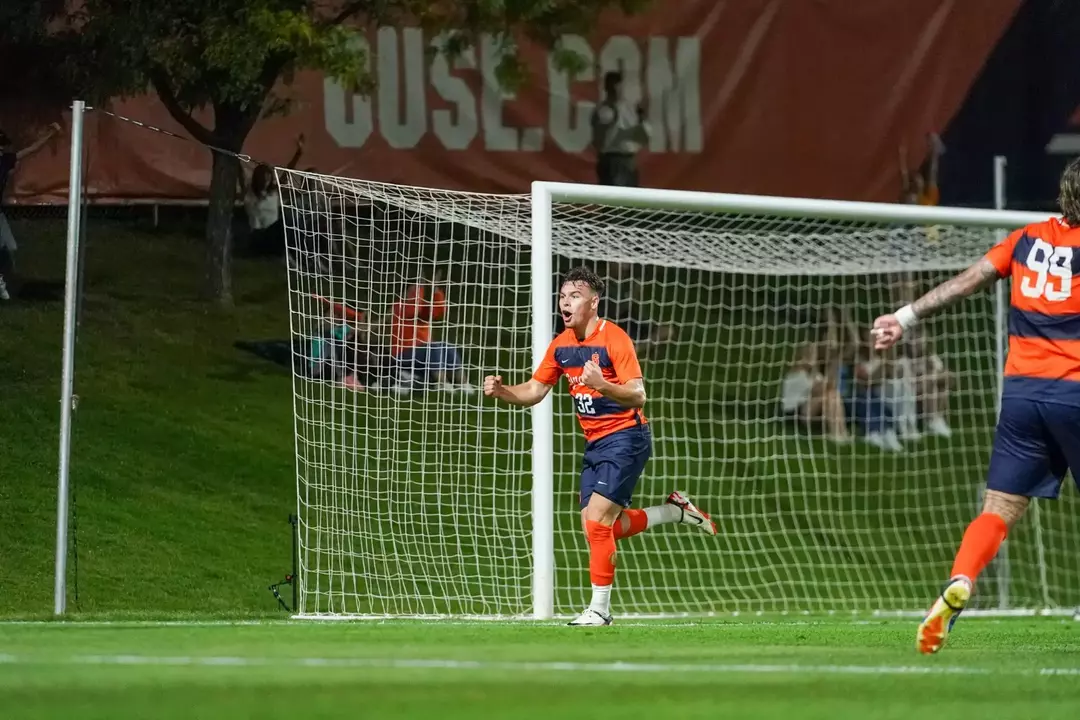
[601, 599]
[661, 514]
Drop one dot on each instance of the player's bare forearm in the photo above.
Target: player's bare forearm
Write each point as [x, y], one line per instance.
[630, 395]
[981, 275]
[39, 143]
[526, 394]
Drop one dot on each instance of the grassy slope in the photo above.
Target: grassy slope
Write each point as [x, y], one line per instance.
[182, 449]
[183, 457]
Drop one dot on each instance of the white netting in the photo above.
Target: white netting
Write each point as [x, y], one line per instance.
[414, 492]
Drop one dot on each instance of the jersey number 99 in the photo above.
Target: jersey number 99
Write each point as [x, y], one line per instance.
[1048, 261]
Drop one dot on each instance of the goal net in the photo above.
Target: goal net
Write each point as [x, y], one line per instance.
[840, 480]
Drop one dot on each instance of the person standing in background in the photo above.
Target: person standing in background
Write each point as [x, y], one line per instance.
[921, 187]
[262, 204]
[9, 158]
[619, 132]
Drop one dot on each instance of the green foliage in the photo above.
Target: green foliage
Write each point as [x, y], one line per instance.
[27, 20]
[198, 53]
[32, 40]
[232, 52]
[230, 55]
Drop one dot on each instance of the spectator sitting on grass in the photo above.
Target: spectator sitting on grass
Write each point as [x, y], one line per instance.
[346, 350]
[933, 383]
[624, 304]
[921, 187]
[810, 395]
[266, 231]
[862, 381]
[420, 360]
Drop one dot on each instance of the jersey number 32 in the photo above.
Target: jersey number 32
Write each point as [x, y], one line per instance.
[584, 404]
[1053, 268]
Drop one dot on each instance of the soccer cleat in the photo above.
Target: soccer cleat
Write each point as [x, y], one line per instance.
[939, 621]
[590, 618]
[691, 515]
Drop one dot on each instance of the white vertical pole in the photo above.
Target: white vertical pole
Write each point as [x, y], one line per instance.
[1001, 303]
[543, 450]
[67, 387]
[1000, 334]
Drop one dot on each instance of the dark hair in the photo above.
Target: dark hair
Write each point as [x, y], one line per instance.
[4, 139]
[262, 178]
[612, 80]
[1069, 194]
[582, 274]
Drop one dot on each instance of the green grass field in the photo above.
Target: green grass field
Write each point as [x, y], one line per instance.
[182, 446]
[827, 670]
[184, 475]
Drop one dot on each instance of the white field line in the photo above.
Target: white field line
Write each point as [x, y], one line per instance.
[305, 622]
[517, 667]
[709, 624]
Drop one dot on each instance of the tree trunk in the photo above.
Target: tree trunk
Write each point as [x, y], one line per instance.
[219, 240]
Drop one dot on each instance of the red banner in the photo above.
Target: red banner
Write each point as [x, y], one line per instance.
[780, 97]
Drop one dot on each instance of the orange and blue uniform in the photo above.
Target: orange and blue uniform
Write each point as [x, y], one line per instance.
[410, 334]
[618, 440]
[1038, 433]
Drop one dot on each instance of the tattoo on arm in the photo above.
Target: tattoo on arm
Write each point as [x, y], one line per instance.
[980, 275]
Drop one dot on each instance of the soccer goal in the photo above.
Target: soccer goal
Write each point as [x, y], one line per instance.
[417, 497]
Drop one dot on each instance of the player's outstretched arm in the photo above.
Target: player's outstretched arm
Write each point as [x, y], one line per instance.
[630, 394]
[54, 128]
[888, 329]
[526, 394]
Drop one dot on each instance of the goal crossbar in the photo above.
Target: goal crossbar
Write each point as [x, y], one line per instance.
[782, 207]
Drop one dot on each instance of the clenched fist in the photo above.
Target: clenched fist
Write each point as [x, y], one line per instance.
[887, 332]
[493, 385]
[592, 376]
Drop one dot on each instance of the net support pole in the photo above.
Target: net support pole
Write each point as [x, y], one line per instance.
[543, 435]
[1001, 303]
[67, 386]
[1000, 333]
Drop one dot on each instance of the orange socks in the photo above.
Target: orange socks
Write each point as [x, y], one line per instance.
[635, 521]
[981, 541]
[601, 552]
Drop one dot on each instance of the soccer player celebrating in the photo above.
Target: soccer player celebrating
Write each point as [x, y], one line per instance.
[1038, 431]
[605, 382]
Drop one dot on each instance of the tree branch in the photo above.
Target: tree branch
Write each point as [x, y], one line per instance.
[160, 80]
[272, 68]
[348, 11]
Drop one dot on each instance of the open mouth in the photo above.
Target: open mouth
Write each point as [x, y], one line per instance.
[566, 316]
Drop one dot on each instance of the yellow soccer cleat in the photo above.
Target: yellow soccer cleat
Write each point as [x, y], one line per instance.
[939, 621]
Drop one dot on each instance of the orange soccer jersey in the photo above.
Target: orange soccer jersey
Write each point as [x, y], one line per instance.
[412, 316]
[610, 348]
[1044, 321]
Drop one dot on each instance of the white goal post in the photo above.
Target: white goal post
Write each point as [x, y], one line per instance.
[417, 497]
